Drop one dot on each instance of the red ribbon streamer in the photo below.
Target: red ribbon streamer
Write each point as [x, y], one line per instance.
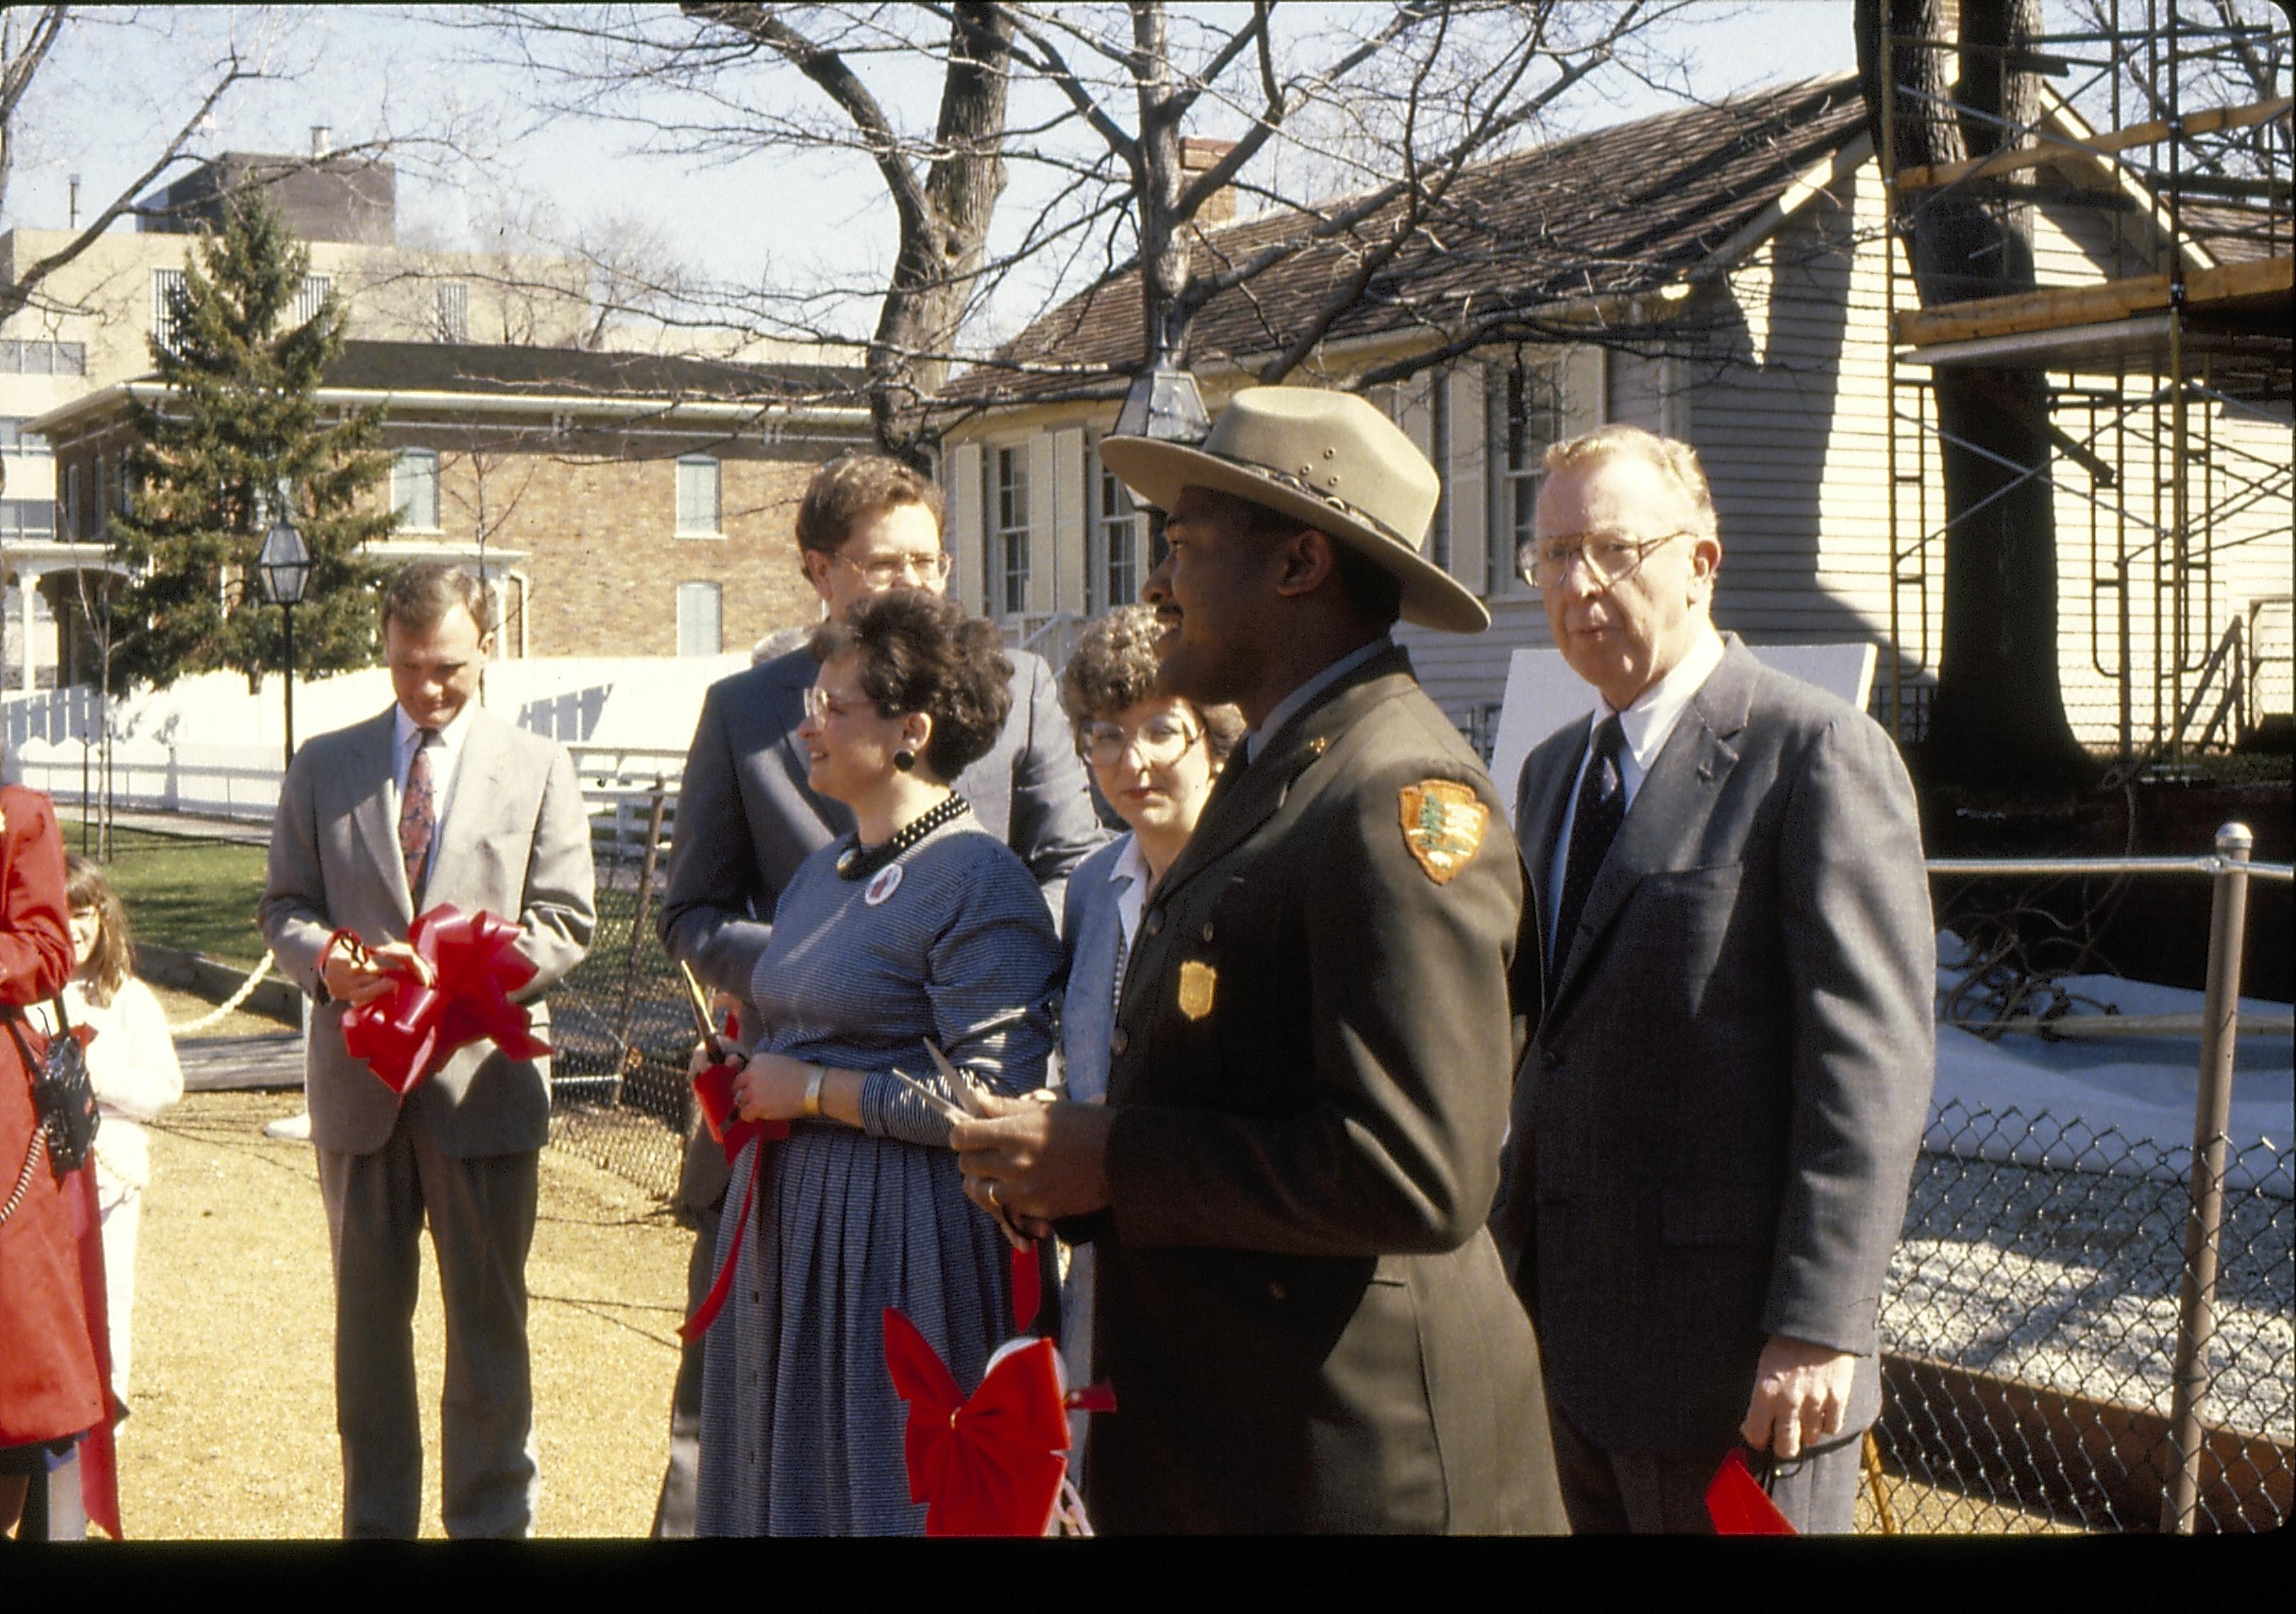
[1739, 1506]
[407, 1034]
[989, 1463]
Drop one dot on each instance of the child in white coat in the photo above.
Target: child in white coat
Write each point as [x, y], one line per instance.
[131, 1064]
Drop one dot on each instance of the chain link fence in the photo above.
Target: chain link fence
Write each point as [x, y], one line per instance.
[619, 1097]
[2030, 1323]
[2029, 1331]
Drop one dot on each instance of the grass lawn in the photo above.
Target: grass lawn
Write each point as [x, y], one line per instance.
[199, 896]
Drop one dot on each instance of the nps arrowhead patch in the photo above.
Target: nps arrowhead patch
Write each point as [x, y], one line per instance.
[1443, 824]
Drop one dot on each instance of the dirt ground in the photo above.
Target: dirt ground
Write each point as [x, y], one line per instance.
[230, 1434]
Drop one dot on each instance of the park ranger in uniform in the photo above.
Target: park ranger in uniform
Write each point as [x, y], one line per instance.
[1304, 1322]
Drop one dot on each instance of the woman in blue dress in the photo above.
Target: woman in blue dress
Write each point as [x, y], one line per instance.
[919, 925]
[1154, 758]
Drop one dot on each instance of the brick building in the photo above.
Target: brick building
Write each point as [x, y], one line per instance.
[616, 504]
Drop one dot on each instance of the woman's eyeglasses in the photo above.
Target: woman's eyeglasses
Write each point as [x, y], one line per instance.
[821, 706]
[1159, 741]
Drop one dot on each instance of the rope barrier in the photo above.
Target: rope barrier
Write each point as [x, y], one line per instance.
[246, 990]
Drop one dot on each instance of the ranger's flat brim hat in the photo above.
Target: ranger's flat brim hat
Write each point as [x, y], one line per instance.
[1329, 459]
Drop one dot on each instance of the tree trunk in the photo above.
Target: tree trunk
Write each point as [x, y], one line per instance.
[1164, 260]
[1998, 719]
[944, 242]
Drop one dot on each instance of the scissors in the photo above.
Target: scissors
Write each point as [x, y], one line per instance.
[969, 1095]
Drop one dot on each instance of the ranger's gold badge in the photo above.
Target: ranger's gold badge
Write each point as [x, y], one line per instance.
[1443, 824]
[1197, 980]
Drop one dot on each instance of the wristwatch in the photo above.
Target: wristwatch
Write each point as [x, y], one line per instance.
[815, 1077]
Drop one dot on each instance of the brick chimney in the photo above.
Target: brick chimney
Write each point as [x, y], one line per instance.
[1199, 155]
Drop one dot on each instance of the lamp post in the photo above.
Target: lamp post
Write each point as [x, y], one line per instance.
[284, 564]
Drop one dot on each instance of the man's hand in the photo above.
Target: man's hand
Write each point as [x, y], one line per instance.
[1037, 1161]
[358, 976]
[1801, 1394]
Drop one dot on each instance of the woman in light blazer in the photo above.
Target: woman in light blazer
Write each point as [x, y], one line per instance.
[1154, 758]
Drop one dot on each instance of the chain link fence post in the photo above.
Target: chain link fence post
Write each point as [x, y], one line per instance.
[2211, 1116]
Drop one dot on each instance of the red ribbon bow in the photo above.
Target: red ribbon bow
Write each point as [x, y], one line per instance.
[989, 1463]
[407, 1034]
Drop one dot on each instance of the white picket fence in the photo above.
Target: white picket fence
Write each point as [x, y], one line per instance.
[209, 746]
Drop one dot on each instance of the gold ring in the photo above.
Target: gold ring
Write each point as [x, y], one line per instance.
[993, 1205]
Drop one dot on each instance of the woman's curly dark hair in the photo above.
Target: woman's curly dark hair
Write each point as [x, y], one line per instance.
[920, 653]
[1114, 665]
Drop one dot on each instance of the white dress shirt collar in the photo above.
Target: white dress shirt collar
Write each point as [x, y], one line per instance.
[1650, 717]
[446, 757]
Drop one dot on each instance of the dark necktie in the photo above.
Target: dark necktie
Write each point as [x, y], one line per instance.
[1601, 806]
[418, 816]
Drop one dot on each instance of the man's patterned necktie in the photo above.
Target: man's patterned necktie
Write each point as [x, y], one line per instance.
[418, 817]
[1602, 806]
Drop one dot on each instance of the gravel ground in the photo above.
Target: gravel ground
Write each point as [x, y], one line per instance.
[232, 1434]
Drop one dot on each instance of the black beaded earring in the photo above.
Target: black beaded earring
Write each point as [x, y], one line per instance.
[905, 759]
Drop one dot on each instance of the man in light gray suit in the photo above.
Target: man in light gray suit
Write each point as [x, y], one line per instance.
[1716, 1119]
[746, 816]
[433, 801]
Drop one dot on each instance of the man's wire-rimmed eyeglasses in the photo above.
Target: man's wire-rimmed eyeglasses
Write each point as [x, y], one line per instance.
[1607, 556]
[894, 571]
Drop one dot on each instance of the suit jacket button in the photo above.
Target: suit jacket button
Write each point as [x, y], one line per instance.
[1154, 924]
[1208, 930]
[1117, 1042]
[1549, 1060]
[1276, 1291]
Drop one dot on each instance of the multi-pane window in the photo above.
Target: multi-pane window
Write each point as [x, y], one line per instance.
[167, 286]
[697, 496]
[700, 619]
[1525, 412]
[415, 488]
[72, 501]
[43, 358]
[311, 296]
[14, 439]
[1008, 549]
[27, 519]
[453, 311]
[1119, 543]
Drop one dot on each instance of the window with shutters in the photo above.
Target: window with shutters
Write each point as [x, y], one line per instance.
[1008, 547]
[698, 496]
[1524, 410]
[1119, 544]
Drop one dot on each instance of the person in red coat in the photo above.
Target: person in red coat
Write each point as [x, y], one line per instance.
[51, 1385]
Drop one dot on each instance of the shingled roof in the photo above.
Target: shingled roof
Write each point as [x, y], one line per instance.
[1621, 210]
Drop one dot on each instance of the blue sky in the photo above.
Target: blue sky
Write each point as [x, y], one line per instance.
[362, 72]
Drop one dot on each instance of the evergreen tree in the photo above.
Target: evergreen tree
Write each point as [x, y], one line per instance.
[239, 431]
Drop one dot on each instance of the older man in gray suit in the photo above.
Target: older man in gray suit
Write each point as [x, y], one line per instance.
[1716, 1120]
[746, 818]
[433, 801]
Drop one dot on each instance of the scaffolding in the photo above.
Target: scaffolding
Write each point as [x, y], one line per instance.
[2168, 380]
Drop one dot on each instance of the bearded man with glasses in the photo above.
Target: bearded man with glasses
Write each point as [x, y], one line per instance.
[747, 817]
[1715, 1121]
